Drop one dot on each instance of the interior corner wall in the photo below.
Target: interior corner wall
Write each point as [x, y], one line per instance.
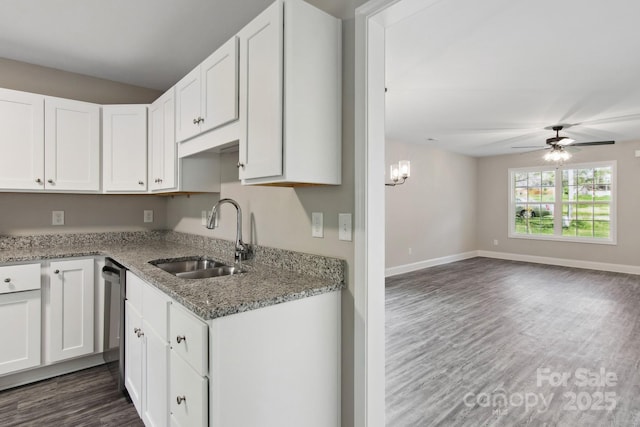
[433, 215]
[492, 211]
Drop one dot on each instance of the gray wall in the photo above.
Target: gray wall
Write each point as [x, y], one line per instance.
[492, 189]
[23, 214]
[434, 212]
[48, 81]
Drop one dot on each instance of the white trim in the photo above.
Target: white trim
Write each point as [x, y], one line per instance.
[407, 268]
[563, 262]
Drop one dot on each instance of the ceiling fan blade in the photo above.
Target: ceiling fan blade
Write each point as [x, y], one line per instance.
[531, 146]
[584, 144]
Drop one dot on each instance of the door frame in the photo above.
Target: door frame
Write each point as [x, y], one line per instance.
[371, 21]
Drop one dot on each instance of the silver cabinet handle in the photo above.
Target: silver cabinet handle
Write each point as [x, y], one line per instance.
[240, 165]
[7, 280]
[50, 181]
[56, 271]
[140, 182]
[195, 121]
[140, 333]
[180, 399]
[38, 180]
[181, 338]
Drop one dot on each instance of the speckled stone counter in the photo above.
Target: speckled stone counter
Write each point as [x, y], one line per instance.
[272, 277]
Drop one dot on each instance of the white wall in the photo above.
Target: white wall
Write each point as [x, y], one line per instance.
[434, 213]
[492, 189]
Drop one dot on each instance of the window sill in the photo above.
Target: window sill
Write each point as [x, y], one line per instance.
[554, 238]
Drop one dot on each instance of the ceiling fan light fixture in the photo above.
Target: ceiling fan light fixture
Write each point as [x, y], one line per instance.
[557, 154]
[566, 141]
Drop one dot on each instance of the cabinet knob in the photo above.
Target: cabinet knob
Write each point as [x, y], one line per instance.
[140, 182]
[240, 165]
[56, 271]
[7, 280]
[181, 338]
[195, 121]
[136, 330]
[180, 399]
[38, 180]
[50, 181]
[140, 333]
[160, 180]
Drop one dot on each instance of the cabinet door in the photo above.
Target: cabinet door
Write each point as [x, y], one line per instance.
[133, 355]
[124, 139]
[71, 309]
[72, 145]
[21, 140]
[261, 80]
[219, 76]
[163, 156]
[188, 92]
[188, 397]
[156, 378]
[20, 331]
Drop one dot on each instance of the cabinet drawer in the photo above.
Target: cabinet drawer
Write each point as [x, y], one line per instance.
[133, 291]
[189, 338]
[17, 278]
[188, 395]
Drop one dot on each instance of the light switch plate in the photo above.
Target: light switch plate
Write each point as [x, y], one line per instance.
[148, 216]
[317, 224]
[57, 217]
[344, 226]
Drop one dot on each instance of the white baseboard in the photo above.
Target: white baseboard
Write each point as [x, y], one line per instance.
[50, 371]
[564, 262]
[407, 268]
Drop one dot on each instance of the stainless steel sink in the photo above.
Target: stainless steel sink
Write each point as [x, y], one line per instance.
[195, 267]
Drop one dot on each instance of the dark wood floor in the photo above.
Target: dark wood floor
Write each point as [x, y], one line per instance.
[84, 398]
[469, 343]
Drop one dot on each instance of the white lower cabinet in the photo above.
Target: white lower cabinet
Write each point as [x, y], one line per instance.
[19, 317]
[70, 309]
[147, 351]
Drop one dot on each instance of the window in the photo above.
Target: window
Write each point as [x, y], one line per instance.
[571, 202]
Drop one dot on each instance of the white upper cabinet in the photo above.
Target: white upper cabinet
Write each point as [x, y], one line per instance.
[207, 97]
[21, 140]
[124, 143]
[72, 145]
[290, 97]
[162, 145]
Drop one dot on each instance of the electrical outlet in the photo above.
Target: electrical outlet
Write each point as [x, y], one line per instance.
[495, 242]
[410, 251]
[204, 217]
[344, 226]
[148, 216]
[317, 224]
[57, 217]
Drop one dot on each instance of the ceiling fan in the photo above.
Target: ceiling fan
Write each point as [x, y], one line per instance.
[557, 144]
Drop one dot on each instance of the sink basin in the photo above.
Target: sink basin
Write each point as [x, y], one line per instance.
[195, 267]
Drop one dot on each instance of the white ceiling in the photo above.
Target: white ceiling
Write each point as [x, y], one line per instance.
[148, 43]
[480, 77]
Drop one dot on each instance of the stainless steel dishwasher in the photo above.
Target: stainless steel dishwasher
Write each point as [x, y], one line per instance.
[115, 278]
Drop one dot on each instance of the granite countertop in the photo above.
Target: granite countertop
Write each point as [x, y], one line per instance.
[273, 277]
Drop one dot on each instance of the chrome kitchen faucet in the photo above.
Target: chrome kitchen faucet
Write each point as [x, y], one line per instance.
[242, 250]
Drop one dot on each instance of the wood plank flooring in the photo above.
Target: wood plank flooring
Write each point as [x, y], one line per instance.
[84, 398]
[485, 342]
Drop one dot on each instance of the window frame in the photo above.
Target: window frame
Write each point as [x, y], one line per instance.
[557, 236]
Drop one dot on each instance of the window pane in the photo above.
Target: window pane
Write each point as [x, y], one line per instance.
[521, 194]
[585, 212]
[601, 212]
[603, 192]
[601, 229]
[520, 179]
[534, 194]
[534, 179]
[585, 176]
[549, 179]
[585, 228]
[548, 194]
[602, 175]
